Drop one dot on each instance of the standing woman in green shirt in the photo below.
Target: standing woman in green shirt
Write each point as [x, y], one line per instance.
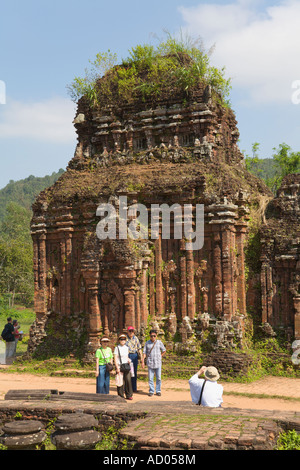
[103, 356]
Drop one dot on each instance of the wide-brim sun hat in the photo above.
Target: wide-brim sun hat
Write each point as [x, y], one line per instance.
[212, 374]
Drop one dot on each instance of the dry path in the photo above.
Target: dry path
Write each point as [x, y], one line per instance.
[258, 393]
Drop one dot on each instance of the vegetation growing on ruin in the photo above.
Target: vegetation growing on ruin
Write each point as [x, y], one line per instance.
[149, 72]
[284, 161]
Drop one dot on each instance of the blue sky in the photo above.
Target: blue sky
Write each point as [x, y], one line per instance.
[43, 45]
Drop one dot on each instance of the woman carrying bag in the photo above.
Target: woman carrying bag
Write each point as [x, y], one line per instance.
[104, 359]
[122, 363]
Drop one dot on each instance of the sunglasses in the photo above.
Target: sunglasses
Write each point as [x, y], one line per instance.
[152, 336]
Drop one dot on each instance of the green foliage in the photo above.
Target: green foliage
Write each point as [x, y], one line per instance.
[16, 253]
[87, 85]
[286, 162]
[289, 440]
[50, 428]
[110, 441]
[272, 170]
[173, 66]
[253, 163]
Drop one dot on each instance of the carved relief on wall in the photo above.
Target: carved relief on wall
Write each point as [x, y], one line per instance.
[202, 287]
[170, 277]
[53, 290]
[112, 307]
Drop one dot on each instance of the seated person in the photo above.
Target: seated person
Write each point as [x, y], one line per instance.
[212, 392]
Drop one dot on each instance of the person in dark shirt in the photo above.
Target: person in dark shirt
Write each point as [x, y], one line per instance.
[9, 338]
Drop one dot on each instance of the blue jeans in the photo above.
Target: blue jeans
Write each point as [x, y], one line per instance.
[102, 384]
[157, 373]
[135, 359]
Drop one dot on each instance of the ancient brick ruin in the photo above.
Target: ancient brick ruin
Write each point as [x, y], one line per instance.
[280, 259]
[179, 151]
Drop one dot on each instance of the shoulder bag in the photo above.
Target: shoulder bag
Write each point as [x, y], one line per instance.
[123, 367]
[109, 366]
[202, 388]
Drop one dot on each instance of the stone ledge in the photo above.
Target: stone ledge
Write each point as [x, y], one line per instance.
[169, 425]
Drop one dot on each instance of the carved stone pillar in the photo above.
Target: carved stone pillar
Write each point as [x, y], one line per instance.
[217, 268]
[129, 306]
[202, 291]
[106, 300]
[263, 284]
[226, 272]
[183, 299]
[190, 284]
[158, 279]
[39, 267]
[68, 280]
[166, 276]
[137, 322]
[296, 301]
[94, 317]
[143, 296]
[241, 229]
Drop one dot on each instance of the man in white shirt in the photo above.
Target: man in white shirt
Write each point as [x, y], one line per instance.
[212, 392]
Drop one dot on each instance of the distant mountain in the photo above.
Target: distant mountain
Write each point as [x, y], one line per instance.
[24, 192]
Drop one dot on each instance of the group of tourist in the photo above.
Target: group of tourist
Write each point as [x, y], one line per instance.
[126, 355]
[11, 335]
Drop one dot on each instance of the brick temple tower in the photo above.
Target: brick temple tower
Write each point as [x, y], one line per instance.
[176, 150]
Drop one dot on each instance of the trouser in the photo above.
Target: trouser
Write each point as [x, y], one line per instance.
[103, 379]
[127, 387]
[157, 373]
[9, 352]
[135, 359]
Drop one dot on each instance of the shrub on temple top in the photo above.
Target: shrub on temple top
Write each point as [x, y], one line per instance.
[174, 66]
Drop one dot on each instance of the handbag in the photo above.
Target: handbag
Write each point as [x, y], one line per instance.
[119, 379]
[202, 388]
[146, 358]
[109, 366]
[123, 367]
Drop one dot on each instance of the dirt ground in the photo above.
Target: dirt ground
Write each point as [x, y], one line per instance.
[172, 390]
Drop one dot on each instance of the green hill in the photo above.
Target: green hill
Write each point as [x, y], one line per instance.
[24, 192]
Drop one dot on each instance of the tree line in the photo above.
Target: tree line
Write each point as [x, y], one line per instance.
[272, 170]
[16, 250]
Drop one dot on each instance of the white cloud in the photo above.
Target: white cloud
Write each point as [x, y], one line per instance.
[259, 48]
[49, 120]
